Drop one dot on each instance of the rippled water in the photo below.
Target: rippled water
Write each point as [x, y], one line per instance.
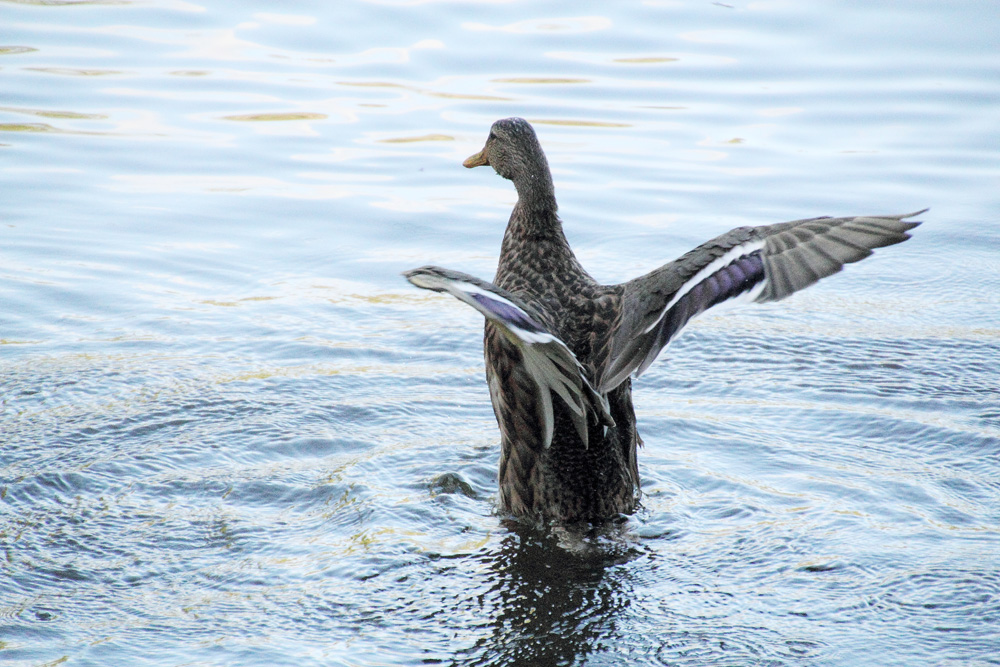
[232, 434]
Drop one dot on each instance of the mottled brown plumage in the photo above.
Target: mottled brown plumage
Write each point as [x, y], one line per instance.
[541, 291]
[565, 481]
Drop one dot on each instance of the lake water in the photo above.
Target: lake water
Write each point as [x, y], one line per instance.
[232, 434]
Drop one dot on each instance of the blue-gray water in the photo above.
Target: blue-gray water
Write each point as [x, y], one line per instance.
[232, 434]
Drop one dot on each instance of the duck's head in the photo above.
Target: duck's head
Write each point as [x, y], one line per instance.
[512, 149]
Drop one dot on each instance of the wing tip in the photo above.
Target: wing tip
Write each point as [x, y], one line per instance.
[911, 224]
[425, 277]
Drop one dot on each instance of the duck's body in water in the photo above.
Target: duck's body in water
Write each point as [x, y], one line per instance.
[560, 347]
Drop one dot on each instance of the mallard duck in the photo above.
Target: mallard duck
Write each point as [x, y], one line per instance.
[561, 348]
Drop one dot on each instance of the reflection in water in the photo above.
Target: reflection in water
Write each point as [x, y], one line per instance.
[271, 117]
[555, 595]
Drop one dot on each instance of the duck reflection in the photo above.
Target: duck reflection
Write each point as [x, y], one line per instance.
[555, 595]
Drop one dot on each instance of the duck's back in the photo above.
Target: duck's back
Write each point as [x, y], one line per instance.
[565, 481]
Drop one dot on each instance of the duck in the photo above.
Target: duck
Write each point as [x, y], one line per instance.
[561, 349]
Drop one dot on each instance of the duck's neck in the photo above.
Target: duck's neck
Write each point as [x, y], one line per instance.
[534, 216]
[535, 191]
[533, 232]
[535, 250]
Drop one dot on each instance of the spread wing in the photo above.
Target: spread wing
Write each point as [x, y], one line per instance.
[546, 359]
[748, 263]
